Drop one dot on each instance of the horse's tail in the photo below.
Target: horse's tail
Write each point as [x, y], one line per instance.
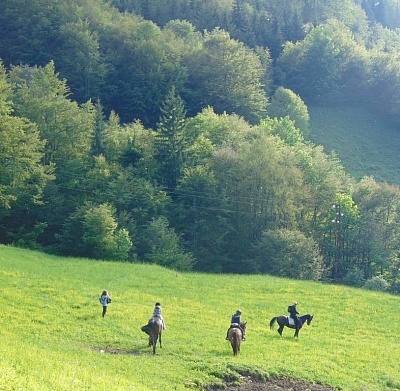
[271, 323]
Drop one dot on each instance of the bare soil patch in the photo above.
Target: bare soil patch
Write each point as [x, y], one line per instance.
[274, 384]
[248, 383]
[108, 350]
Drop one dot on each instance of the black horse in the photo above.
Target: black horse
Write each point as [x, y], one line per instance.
[283, 321]
[154, 330]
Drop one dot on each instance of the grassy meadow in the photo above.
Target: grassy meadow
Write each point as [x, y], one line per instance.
[54, 338]
[365, 144]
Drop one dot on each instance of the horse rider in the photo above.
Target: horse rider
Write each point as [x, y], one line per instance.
[293, 314]
[236, 323]
[157, 312]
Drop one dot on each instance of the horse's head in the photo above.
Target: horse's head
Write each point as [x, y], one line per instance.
[243, 326]
[309, 319]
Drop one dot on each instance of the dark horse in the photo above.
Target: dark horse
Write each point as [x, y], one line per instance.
[284, 321]
[235, 337]
[154, 330]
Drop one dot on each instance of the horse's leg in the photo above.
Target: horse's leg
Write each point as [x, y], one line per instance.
[154, 343]
[280, 330]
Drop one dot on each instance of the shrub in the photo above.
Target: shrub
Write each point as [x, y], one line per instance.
[289, 253]
[377, 283]
[164, 246]
[354, 278]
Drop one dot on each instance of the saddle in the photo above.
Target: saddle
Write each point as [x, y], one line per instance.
[290, 321]
[235, 325]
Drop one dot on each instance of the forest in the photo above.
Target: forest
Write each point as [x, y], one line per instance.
[176, 132]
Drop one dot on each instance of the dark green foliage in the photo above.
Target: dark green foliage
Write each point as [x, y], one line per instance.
[42, 97]
[79, 59]
[326, 65]
[164, 246]
[354, 277]
[23, 177]
[227, 75]
[170, 140]
[154, 126]
[290, 254]
[376, 283]
[286, 103]
[91, 231]
[32, 27]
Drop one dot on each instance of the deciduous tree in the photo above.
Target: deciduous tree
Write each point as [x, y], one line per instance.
[227, 76]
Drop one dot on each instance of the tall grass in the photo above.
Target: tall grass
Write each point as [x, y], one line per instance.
[54, 338]
[366, 144]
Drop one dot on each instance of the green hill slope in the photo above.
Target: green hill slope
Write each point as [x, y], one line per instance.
[54, 338]
[365, 144]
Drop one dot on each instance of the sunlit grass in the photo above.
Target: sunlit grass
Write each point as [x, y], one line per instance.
[54, 338]
[364, 142]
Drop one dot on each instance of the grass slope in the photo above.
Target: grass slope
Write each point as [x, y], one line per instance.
[52, 332]
[365, 144]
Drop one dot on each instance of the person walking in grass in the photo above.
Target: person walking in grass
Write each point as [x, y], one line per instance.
[105, 300]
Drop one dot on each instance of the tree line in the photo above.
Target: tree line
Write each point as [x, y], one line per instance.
[130, 140]
[229, 54]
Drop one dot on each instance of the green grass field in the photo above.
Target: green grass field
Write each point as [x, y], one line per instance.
[52, 332]
[365, 144]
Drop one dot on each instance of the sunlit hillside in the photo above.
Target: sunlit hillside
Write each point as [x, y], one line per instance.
[365, 144]
[54, 338]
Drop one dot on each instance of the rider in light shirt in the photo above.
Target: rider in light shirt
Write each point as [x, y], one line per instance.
[157, 312]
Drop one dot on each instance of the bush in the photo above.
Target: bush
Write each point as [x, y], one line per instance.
[289, 253]
[377, 283]
[286, 103]
[164, 246]
[354, 278]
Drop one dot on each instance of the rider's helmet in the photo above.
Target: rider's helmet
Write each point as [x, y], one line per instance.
[295, 303]
[239, 312]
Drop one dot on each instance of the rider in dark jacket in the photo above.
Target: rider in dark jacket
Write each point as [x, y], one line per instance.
[293, 314]
[236, 322]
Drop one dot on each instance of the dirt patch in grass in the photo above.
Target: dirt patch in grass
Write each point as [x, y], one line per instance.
[109, 350]
[247, 383]
[273, 384]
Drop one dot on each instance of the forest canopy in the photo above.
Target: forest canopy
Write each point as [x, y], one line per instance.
[177, 133]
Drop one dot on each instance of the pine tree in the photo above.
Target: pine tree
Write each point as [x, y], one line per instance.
[170, 139]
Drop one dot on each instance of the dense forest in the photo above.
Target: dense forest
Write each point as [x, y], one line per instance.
[177, 132]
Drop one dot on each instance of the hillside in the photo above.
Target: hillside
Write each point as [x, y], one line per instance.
[53, 336]
[364, 142]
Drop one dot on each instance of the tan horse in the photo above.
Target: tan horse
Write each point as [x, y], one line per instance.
[154, 330]
[235, 337]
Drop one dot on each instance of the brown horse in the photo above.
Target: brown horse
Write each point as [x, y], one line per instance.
[154, 330]
[235, 337]
[284, 321]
